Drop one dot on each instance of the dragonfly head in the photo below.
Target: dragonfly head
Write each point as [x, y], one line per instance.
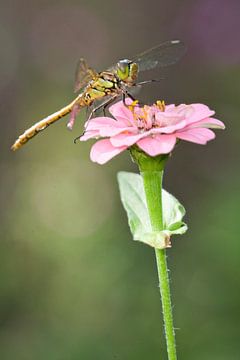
[127, 71]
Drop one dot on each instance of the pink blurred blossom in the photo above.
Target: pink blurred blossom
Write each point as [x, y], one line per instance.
[154, 129]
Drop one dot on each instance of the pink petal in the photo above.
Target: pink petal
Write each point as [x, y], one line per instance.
[127, 139]
[169, 107]
[103, 151]
[169, 129]
[103, 121]
[105, 132]
[159, 144]
[210, 123]
[107, 126]
[196, 135]
[199, 112]
[89, 135]
[122, 113]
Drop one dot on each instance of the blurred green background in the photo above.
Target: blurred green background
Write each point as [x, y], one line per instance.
[73, 285]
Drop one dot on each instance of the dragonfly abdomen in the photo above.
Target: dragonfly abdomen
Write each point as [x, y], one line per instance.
[41, 125]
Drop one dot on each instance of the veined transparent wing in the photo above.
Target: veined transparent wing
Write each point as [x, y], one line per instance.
[165, 54]
[83, 75]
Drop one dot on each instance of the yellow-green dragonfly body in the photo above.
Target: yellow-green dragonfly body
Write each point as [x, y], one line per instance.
[106, 85]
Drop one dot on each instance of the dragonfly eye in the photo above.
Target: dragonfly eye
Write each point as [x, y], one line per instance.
[123, 64]
[123, 68]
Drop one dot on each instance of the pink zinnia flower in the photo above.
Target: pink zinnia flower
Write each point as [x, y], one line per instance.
[154, 129]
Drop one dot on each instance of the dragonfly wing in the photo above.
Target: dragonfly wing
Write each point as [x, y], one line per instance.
[83, 75]
[165, 54]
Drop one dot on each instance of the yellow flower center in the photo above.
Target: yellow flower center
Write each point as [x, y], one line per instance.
[145, 117]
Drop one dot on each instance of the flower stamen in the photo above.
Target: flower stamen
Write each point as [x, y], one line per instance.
[161, 105]
[133, 105]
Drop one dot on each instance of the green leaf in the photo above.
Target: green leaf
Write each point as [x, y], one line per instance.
[134, 201]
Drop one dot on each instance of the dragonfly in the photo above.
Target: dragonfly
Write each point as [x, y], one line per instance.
[103, 88]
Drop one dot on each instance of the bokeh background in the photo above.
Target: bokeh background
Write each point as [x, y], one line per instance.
[73, 285]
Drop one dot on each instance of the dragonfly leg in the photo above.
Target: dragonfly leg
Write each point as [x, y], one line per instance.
[130, 95]
[107, 104]
[125, 94]
[124, 98]
[102, 105]
[148, 81]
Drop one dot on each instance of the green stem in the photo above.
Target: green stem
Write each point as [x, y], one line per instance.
[152, 173]
[153, 189]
